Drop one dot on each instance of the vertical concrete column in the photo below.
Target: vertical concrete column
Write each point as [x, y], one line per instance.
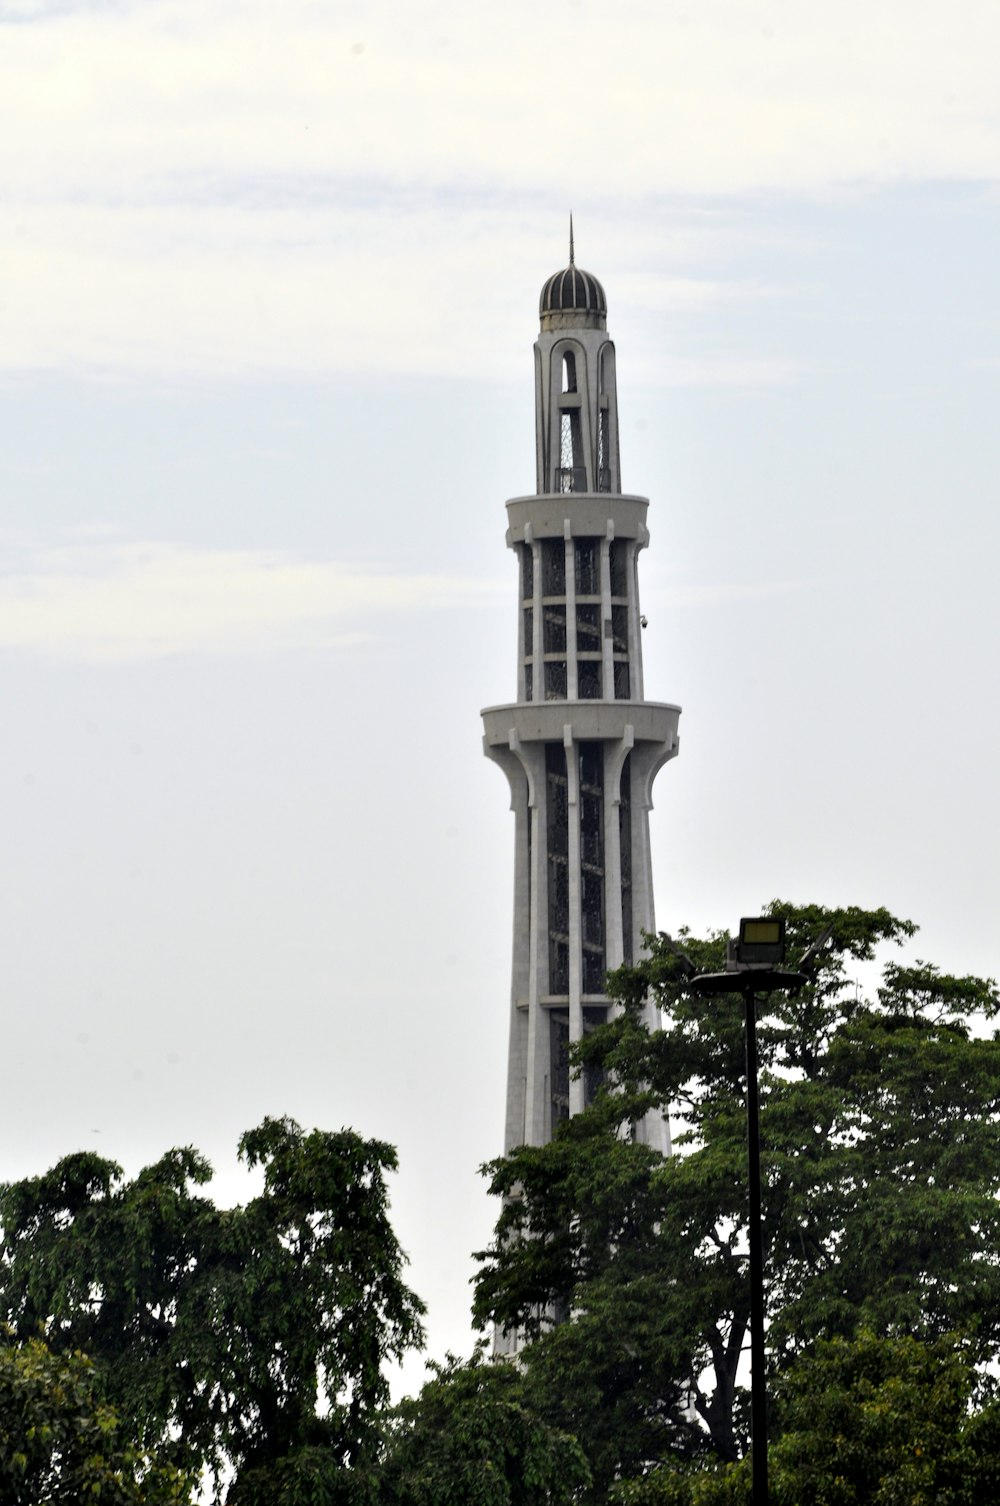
[607, 642]
[541, 411]
[642, 858]
[520, 969]
[570, 567]
[536, 1097]
[614, 759]
[575, 911]
[538, 678]
[634, 614]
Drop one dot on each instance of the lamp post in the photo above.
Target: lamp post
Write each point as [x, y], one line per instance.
[754, 965]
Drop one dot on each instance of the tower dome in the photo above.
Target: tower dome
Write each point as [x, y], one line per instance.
[573, 291]
[572, 297]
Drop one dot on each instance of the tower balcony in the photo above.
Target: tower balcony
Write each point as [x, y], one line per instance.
[589, 514]
[589, 721]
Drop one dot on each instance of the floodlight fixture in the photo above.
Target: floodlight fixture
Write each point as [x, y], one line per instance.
[761, 942]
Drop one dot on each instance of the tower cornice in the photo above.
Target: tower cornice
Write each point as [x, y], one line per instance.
[605, 721]
[614, 515]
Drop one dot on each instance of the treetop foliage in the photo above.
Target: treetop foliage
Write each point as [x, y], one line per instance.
[470, 1439]
[879, 1117]
[251, 1342]
[862, 1422]
[227, 1338]
[60, 1441]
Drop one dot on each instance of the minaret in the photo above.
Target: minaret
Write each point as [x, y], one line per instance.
[581, 746]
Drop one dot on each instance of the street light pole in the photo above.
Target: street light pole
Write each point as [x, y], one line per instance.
[754, 965]
[758, 1373]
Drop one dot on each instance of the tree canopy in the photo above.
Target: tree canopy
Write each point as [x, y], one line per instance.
[470, 1439]
[862, 1422]
[61, 1442]
[252, 1342]
[879, 1118]
[230, 1339]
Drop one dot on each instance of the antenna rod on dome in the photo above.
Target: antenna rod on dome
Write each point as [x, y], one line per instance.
[571, 259]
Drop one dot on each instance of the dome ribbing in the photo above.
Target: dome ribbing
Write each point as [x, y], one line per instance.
[572, 291]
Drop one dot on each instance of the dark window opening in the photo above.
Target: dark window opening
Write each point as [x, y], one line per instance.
[593, 1075]
[529, 630]
[619, 578]
[592, 768]
[625, 849]
[559, 1064]
[619, 629]
[592, 865]
[558, 799]
[557, 830]
[623, 681]
[559, 899]
[529, 682]
[588, 567]
[553, 567]
[558, 966]
[588, 630]
[555, 680]
[593, 918]
[588, 679]
[591, 835]
[527, 572]
[554, 629]
[593, 969]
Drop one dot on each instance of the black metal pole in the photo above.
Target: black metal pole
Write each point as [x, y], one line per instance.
[758, 1378]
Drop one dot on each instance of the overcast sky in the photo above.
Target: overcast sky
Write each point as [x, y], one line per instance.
[269, 291]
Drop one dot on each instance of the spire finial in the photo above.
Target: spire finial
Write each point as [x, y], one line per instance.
[572, 261]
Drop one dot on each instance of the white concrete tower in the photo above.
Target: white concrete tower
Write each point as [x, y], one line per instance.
[581, 746]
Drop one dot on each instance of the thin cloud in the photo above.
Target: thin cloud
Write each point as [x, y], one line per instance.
[695, 597]
[722, 101]
[244, 189]
[117, 602]
[26, 12]
[725, 369]
[230, 291]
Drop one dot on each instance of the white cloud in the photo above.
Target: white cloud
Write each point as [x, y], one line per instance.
[106, 600]
[726, 98]
[250, 187]
[722, 369]
[720, 594]
[224, 293]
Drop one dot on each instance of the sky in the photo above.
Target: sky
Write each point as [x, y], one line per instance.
[268, 293]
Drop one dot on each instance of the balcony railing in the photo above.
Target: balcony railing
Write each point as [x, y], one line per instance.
[574, 479]
[571, 479]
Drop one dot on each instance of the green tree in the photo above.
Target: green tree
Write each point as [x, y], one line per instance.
[880, 1421]
[470, 1439]
[863, 1422]
[61, 1442]
[879, 1120]
[234, 1339]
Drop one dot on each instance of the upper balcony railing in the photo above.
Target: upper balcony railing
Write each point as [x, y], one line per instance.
[571, 479]
[574, 479]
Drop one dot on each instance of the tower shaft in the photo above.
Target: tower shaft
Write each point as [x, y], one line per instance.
[580, 746]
